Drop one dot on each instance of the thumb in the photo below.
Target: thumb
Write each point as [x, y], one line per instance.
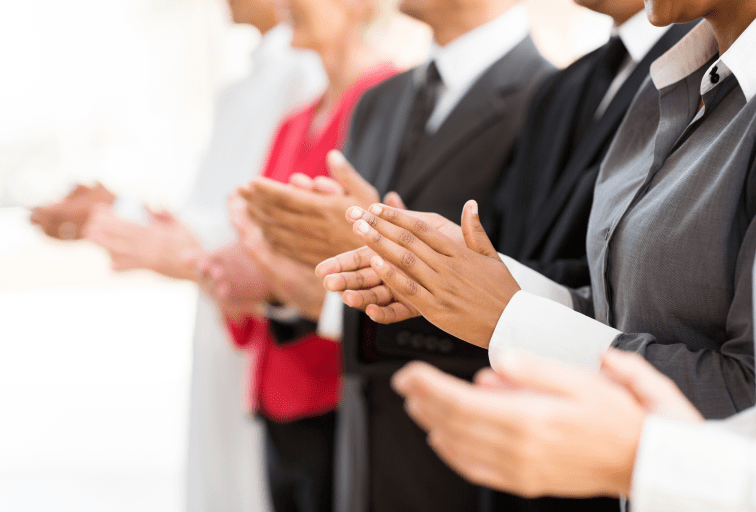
[476, 238]
[656, 392]
[354, 184]
[394, 200]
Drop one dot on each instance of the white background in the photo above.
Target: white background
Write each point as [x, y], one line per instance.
[94, 367]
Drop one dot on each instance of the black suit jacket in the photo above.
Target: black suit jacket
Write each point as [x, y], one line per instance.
[539, 215]
[463, 160]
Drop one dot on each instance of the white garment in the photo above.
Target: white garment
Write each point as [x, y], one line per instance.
[696, 467]
[224, 467]
[462, 61]
[571, 336]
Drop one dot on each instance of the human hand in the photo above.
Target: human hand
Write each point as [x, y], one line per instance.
[305, 220]
[66, 218]
[541, 428]
[290, 282]
[159, 246]
[653, 390]
[351, 274]
[232, 278]
[462, 289]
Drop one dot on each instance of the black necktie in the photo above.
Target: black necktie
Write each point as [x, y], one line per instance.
[606, 69]
[423, 106]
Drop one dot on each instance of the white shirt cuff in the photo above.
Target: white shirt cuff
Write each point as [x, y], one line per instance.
[537, 284]
[692, 467]
[548, 329]
[330, 324]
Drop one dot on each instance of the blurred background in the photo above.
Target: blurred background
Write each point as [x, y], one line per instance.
[94, 366]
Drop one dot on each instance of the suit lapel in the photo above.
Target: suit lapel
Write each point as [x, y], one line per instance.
[486, 100]
[596, 138]
[393, 137]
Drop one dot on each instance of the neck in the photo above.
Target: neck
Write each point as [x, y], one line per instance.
[730, 21]
[344, 63]
[452, 25]
[621, 18]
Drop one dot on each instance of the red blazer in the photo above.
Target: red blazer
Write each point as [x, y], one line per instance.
[303, 378]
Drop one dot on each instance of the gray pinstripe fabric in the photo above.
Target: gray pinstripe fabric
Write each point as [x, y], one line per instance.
[671, 239]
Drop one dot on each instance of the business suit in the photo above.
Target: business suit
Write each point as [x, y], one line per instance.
[462, 160]
[540, 212]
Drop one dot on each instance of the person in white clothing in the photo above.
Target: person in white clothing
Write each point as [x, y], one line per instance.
[224, 468]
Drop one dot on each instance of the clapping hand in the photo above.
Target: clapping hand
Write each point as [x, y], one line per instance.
[459, 285]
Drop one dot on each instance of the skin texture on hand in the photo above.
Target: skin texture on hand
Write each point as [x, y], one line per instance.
[159, 246]
[233, 278]
[66, 218]
[541, 428]
[351, 274]
[462, 289]
[290, 282]
[304, 220]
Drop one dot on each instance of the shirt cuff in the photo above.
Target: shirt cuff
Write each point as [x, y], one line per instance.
[695, 467]
[537, 284]
[330, 324]
[548, 329]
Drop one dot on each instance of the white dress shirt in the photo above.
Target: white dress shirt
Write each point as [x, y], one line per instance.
[224, 463]
[571, 336]
[460, 63]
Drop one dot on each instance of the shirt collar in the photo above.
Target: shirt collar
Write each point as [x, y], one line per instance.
[273, 43]
[639, 35]
[463, 60]
[697, 48]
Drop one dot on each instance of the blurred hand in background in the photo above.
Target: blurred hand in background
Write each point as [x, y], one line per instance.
[66, 218]
[160, 246]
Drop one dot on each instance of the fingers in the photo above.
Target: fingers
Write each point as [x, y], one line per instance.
[391, 313]
[394, 200]
[379, 295]
[362, 279]
[656, 392]
[410, 227]
[530, 372]
[397, 245]
[489, 379]
[415, 276]
[476, 238]
[346, 262]
[351, 181]
[265, 190]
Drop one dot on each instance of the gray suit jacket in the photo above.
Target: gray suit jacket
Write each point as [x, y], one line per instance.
[671, 239]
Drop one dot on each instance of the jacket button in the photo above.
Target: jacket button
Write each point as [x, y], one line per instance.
[403, 338]
[446, 346]
[431, 343]
[417, 341]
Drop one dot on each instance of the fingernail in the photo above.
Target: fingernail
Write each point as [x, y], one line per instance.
[363, 226]
[375, 209]
[336, 157]
[378, 261]
[356, 213]
[474, 207]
